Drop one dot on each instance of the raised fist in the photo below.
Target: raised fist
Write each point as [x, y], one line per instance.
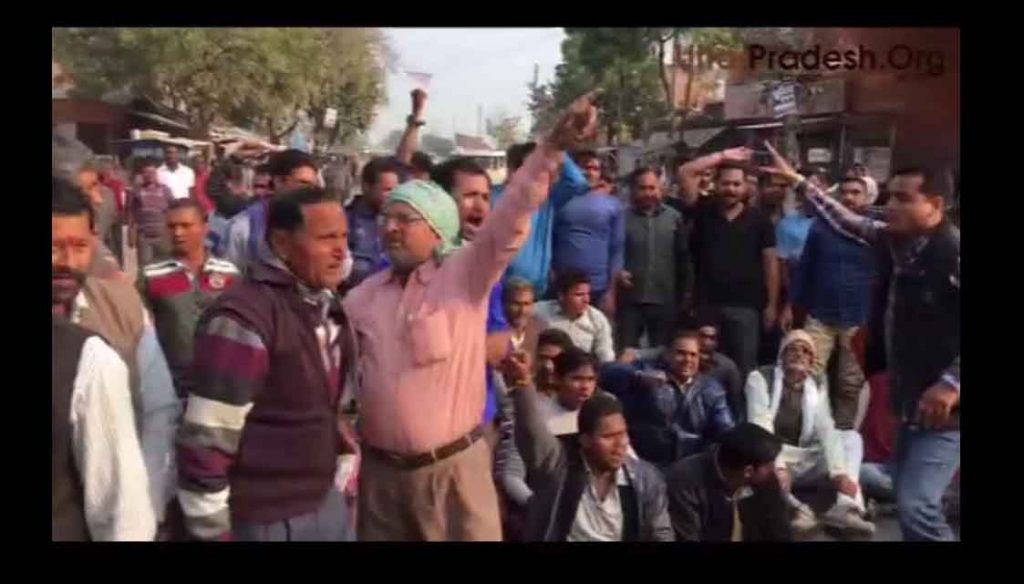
[577, 126]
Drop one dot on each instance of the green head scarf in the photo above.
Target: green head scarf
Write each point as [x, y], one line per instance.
[437, 208]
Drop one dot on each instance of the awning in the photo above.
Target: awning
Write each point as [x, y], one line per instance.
[160, 119]
[697, 137]
[778, 124]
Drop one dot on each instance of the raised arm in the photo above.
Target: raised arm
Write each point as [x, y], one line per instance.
[411, 136]
[506, 229]
[571, 183]
[832, 212]
[689, 173]
[230, 369]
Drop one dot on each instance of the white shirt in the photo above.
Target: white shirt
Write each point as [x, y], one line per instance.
[599, 519]
[179, 180]
[106, 448]
[160, 411]
[590, 332]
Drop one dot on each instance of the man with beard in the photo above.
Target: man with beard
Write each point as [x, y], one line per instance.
[113, 309]
[787, 400]
[655, 285]
[914, 332]
[421, 322]
[519, 301]
[734, 250]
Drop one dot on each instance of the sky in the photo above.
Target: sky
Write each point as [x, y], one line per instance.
[471, 67]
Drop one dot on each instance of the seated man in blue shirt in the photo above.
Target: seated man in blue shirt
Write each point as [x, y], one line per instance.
[673, 409]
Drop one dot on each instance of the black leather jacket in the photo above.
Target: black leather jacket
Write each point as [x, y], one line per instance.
[700, 505]
[557, 476]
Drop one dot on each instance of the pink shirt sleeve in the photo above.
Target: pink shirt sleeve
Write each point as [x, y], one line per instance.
[506, 229]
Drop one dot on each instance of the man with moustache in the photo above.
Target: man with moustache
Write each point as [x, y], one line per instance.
[421, 324]
[914, 326]
[263, 438]
[112, 308]
[737, 269]
[654, 286]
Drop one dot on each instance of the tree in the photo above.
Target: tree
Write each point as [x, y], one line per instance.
[542, 108]
[257, 78]
[618, 62]
[503, 128]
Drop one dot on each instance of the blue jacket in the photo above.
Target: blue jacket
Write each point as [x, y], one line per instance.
[664, 424]
[533, 262]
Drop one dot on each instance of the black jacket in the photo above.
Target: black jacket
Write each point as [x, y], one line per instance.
[925, 341]
[700, 505]
[557, 476]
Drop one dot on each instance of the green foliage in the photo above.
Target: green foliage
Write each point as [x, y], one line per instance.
[618, 62]
[254, 77]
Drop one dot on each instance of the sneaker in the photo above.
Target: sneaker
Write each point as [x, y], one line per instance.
[848, 521]
[804, 521]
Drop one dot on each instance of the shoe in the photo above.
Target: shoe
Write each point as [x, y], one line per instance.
[804, 521]
[848, 521]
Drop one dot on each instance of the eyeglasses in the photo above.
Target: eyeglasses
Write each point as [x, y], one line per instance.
[402, 219]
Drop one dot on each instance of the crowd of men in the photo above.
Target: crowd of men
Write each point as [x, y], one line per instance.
[444, 359]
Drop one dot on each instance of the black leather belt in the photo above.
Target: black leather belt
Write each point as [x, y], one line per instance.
[414, 461]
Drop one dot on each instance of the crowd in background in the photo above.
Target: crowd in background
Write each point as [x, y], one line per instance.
[707, 351]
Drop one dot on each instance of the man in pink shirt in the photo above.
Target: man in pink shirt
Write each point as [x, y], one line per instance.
[426, 475]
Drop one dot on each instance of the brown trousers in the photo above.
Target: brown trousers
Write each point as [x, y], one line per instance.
[451, 500]
[849, 379]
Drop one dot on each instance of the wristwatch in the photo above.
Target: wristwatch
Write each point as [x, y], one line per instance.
[411, 121]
